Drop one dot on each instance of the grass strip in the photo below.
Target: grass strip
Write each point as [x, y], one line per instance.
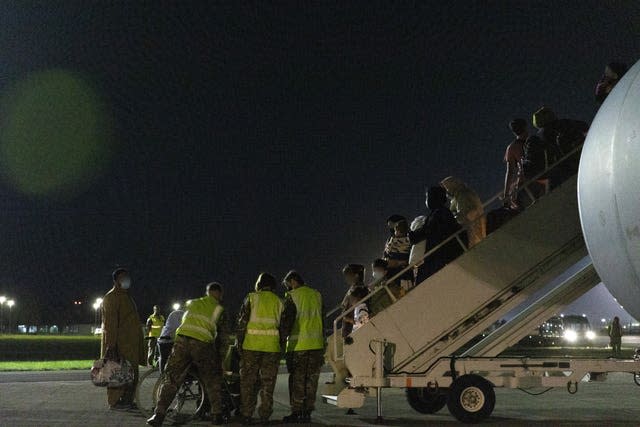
[46, 365]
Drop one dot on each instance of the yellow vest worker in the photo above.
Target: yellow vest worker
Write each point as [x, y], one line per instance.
[302, 323]
[262, 332]
[200, 319]
[259, 339]
[155, 322]
[197, 344]
[306, 333]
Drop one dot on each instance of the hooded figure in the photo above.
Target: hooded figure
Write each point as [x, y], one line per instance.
[613, 72]
[467, 209]
[438, 226]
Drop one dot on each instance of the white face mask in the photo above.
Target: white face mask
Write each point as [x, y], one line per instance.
[126, 283]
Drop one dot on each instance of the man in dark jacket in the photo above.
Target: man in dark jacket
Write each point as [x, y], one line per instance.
[439, 226]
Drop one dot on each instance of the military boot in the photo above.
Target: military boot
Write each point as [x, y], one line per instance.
[293, 418]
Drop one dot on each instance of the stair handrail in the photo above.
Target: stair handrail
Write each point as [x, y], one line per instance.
[385, 284]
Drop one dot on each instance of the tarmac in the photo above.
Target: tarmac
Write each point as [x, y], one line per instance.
[69, 399]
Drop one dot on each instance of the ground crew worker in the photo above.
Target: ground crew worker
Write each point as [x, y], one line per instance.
[198, 340]
[302, 323]
[259, 340]
[121, 335]
[155, 322]
[615, 336]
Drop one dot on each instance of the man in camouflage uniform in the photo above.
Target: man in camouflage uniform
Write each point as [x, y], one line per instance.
[198, 340]
[259, 340]
[302, 324]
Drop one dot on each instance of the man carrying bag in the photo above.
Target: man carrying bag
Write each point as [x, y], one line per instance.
[122, 337]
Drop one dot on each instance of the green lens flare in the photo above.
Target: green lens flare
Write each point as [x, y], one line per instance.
[54, 134]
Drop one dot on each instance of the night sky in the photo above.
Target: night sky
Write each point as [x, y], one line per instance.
[228, 138]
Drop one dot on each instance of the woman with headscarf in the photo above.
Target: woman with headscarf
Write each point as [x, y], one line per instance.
[438, 226]
[467, 208]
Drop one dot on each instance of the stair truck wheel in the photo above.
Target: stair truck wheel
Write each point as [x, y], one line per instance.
[425, 400]
[471, 399]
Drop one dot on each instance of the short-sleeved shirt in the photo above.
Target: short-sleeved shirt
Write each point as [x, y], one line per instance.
[515, 151]
[398, 248]
[172, 323]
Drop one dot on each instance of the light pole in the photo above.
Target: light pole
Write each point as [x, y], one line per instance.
[10, 304]
[96, 306]
[3, 299]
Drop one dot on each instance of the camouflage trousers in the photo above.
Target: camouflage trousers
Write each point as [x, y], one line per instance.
[153, 341]
[304, 372]
[258, 373]
[203, 356]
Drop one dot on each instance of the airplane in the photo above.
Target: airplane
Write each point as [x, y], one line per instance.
[608, 194]
[418, 342]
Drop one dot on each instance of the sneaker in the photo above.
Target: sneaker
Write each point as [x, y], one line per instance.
[156, 420]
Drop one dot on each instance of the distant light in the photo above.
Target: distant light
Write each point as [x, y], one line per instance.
[584, 315]
[561, 315]
[2, 299]
[570, 335]
[99, 300]
[176, 306]
[11, 303]
[603, 320]
[96, 305]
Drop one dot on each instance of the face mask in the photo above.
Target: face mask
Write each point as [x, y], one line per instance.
[126, 283]
[378, 275]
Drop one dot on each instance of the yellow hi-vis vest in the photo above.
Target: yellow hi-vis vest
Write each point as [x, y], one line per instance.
[262, 330]
[157, 322]
[307, 328]
[200, 319]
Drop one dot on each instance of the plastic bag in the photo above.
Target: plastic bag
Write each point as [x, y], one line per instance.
[419, 249]
[112, 373]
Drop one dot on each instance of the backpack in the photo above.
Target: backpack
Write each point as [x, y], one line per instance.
[538, 155]
[570, 135]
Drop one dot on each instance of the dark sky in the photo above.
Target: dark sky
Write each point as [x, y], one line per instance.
[250, 136]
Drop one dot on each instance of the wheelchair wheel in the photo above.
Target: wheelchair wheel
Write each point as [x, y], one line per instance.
[190, 401]
[146, 391]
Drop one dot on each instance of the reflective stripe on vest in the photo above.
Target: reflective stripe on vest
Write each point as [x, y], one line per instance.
[157, 322]
[307, 328]
[200, 319]
[262, 330]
